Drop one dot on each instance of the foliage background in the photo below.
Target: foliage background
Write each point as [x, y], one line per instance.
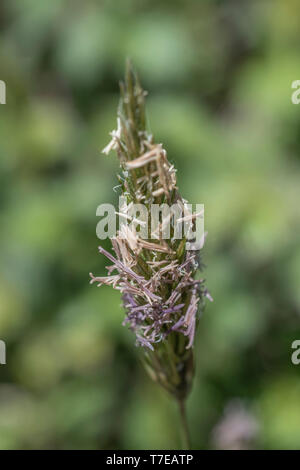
[219, 75]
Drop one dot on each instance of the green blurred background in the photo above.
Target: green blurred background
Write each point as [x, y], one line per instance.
[219, 77]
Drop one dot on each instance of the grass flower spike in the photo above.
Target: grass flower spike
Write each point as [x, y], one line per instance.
[156, 275]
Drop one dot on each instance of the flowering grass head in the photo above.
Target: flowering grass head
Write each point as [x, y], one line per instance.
[162, 297]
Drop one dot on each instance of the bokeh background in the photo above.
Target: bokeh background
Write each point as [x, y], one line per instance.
[219, 77]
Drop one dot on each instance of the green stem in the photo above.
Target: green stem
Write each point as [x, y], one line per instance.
[186, 441]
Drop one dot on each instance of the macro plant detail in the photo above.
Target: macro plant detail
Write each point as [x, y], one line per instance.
[162, 296]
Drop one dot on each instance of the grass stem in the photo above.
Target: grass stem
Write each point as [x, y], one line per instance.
[186, 440]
